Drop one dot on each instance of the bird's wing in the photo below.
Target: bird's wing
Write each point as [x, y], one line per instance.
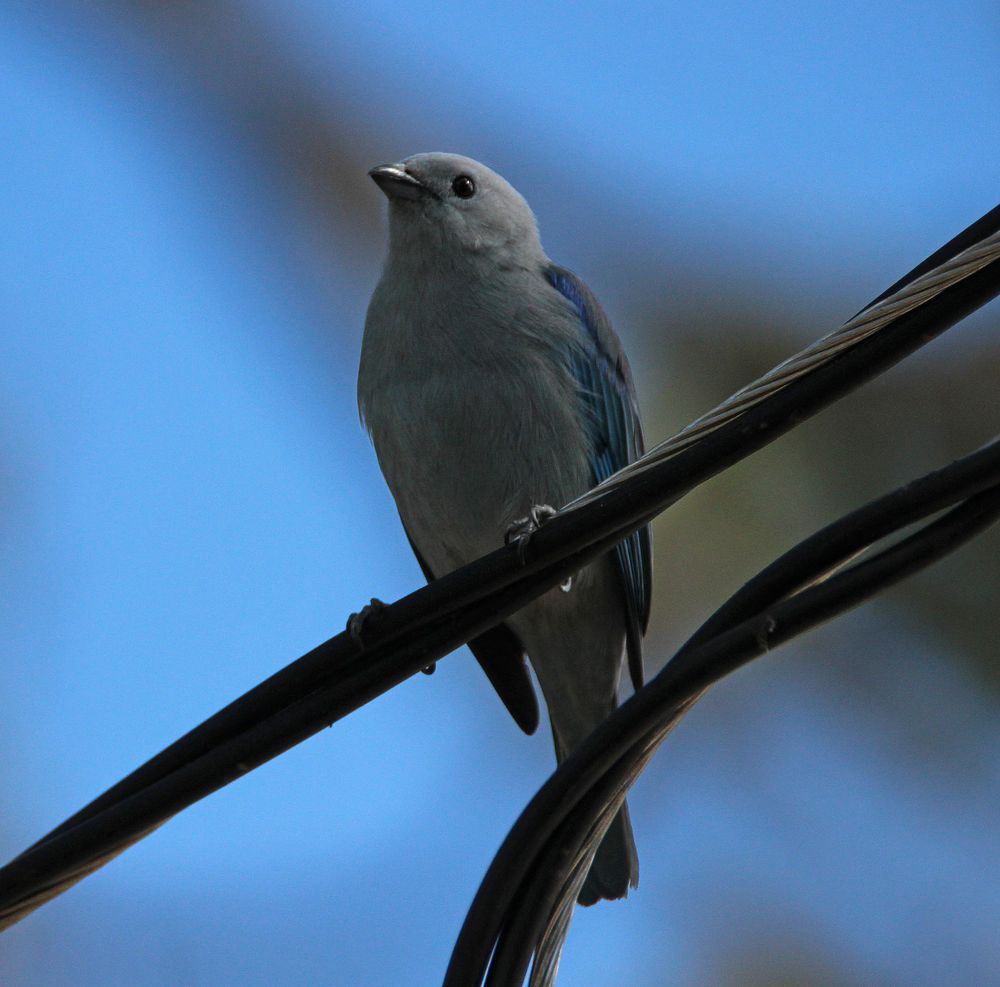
[602, 373]
[501, 655]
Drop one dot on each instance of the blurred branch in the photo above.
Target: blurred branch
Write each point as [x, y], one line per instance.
[232, 57]
[334, 679]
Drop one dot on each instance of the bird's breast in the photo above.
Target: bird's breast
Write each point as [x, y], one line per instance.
[467, 449]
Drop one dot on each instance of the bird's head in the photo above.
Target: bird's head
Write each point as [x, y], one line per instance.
[454, 204]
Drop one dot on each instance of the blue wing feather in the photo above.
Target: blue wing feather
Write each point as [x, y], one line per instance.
[602, 373]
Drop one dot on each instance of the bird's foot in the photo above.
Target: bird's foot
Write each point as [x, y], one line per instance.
[520, 531]
[356, 627]
[356, 622]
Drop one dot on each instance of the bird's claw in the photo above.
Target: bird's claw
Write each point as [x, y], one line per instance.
[356, 622]
[520, 531]
[356, 626]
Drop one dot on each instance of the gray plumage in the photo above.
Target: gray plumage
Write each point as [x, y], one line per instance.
[491, 381]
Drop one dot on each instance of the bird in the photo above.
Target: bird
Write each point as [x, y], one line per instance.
[495, 389]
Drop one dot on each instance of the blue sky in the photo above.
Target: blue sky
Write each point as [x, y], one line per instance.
[189, 501]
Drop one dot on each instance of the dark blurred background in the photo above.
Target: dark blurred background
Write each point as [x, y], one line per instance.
[187, 500]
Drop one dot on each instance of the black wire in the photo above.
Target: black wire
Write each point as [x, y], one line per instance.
[550, 877]
[795, 568]
[983, 227]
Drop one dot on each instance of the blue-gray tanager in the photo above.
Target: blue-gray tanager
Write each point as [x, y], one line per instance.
[493, 385]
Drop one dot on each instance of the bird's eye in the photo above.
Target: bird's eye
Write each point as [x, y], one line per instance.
[464, 187]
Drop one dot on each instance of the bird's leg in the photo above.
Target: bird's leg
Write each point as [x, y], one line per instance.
[356, 626]
[520, 531]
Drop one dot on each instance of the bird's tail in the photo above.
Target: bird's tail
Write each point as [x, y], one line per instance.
[615, 867]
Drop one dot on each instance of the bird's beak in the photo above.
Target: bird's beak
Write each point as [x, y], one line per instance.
[397, 183]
